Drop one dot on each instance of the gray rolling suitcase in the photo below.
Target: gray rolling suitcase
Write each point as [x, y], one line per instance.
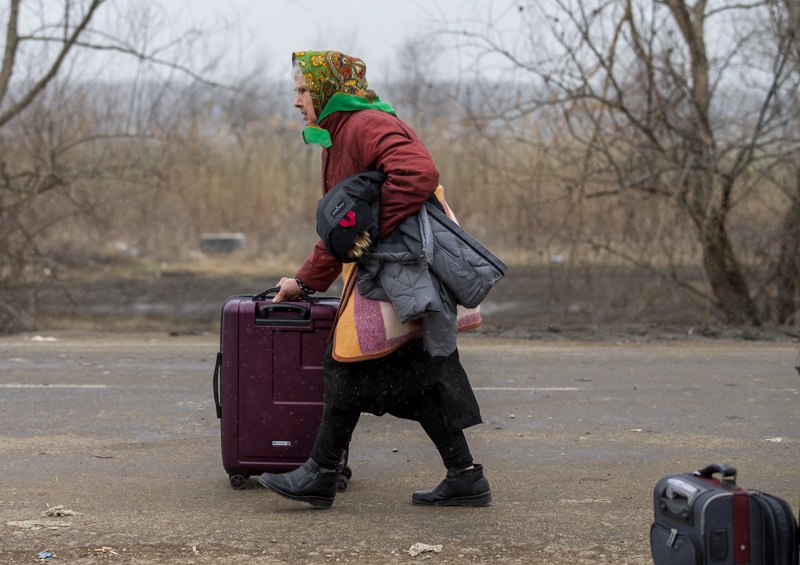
[704, 518]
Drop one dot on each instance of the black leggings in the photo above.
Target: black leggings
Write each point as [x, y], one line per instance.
[337, 427]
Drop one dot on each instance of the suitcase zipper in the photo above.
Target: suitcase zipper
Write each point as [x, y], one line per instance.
[673, 535]
[705, 507]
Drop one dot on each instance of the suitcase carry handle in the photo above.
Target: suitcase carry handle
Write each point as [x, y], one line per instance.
[263, 295]
[305, 298]
[728, 473]
[215, 384]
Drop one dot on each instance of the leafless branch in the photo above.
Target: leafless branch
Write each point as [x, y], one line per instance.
[67, 46]
[12, 41]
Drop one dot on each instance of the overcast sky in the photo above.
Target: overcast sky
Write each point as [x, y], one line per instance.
[270, 30]
[368, 28]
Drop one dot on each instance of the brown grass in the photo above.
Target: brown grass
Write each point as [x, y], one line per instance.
[521, 198]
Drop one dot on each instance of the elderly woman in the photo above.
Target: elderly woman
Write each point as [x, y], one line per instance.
[359, 133]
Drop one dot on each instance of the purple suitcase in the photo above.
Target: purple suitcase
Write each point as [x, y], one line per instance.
[268, 384]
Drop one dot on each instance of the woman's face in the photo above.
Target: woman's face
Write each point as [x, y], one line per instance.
[303, 100]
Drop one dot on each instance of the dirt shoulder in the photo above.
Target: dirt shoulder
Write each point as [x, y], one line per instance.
[547, 304]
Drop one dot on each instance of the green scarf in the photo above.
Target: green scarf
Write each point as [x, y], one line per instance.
[341, 102]
[337, 83]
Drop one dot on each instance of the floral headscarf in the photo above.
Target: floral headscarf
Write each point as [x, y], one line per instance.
[330, 72]
[337, 83]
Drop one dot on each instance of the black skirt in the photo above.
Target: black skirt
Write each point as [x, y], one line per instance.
[396, 383]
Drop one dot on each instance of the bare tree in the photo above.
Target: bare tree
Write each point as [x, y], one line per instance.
[66, 137]
[693, 103]
[786, 26]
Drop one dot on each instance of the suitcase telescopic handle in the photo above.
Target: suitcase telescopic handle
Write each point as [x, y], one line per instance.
[728, 473]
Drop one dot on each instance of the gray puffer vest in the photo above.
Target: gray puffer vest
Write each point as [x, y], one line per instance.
[426, 268]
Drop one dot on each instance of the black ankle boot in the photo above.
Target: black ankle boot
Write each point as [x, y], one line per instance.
[467, 487]
[309, 483]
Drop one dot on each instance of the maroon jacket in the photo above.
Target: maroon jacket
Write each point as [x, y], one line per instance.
[371, 140]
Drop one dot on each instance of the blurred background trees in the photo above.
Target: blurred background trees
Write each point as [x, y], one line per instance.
[678, 131]
[582, 139]
[98, 166]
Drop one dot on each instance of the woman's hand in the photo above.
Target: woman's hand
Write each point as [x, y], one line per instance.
[287, 290]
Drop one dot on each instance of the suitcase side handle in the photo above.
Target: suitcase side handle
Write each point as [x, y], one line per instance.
[215, 384]
[728, 473]
[676, 497]
[301, 315]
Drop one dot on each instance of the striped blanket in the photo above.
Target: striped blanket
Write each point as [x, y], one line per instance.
[368, 329]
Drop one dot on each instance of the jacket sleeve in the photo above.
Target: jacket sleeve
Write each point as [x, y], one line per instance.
[387, 144]
[319, 270]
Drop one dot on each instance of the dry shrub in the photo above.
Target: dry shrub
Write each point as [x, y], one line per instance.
[524, 193]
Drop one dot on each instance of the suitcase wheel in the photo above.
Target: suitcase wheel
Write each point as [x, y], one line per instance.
[238, 481]
[347, 472]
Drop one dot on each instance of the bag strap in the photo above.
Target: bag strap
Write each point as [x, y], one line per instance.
[349, 285]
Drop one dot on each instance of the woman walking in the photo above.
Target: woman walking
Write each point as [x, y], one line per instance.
[388, 370]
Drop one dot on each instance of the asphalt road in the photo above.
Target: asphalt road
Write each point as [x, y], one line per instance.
[121, 429]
